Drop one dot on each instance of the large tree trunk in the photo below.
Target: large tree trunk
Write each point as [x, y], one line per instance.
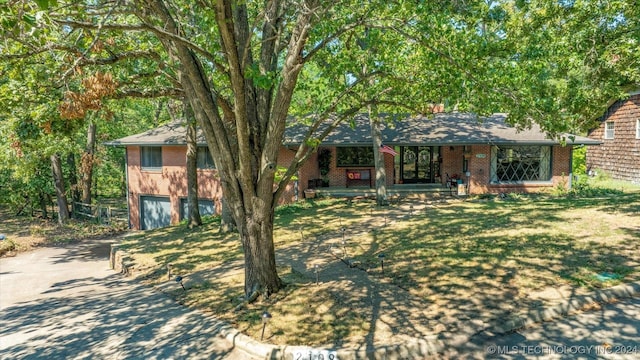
[87, 164]
[245, 131]
[261, 276]
[381, 174]
[58, 180]
[227, 223]
[73, 181]
[192, 171]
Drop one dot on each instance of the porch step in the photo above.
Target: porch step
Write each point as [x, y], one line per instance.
[392, 191]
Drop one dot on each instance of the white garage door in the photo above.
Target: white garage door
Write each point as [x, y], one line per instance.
[155, 212]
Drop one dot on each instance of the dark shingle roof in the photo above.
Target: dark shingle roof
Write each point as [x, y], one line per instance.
[174, 133]
[440, 129]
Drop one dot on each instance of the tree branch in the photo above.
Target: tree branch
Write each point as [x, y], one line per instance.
[147, 93]
[147, 27]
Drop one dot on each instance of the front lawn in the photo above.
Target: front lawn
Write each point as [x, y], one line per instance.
[448, 263]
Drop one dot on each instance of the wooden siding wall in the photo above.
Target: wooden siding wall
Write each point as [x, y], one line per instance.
[620, 156]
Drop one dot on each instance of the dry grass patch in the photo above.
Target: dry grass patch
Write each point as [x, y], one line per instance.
[24, 233]
[445, 263]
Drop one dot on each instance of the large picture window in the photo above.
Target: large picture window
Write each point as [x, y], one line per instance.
[511, 164]
[354, 156]
[151, 157]
[204, 159]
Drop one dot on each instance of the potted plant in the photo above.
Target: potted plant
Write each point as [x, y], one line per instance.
[324, 164]
[310, 194]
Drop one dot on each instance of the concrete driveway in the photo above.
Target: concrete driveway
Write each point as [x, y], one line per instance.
[65, 303]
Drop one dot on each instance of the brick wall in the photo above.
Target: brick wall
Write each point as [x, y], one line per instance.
[170, 181]
[338, 175]
[285, 156]
[452, 161]
[620, 156]
[480, 169]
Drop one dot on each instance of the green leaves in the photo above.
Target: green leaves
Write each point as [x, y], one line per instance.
[46, 4]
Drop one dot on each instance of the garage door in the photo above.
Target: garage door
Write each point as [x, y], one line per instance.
[155, 212]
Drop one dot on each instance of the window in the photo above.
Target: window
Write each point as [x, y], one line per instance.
[204, 160]
[151, 157]
[354, 156]
[205, 206]
[638, 129]
[520, 163]
[609, 130]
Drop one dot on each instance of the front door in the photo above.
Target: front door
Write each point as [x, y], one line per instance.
[419, 164]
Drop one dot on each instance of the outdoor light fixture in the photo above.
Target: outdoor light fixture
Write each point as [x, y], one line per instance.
[411, 209]
[344, 242]
[169, 271]
[317, 276]
[381, 257]
[179, 281]
[265, 319]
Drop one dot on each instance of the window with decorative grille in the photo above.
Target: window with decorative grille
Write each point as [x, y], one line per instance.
[511, 164]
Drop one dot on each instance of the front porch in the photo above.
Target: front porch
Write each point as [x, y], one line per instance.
[393, 191]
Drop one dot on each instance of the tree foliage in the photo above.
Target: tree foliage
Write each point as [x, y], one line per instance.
[245, 66]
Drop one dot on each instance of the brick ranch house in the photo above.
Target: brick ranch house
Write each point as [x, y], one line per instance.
[487, 156]
[619, 133]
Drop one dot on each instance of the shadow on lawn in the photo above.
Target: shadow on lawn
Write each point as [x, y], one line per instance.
[449, 270]
[185, 249]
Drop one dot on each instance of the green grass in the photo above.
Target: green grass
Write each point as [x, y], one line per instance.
[449, 260]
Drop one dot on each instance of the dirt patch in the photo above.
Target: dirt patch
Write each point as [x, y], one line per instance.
[24, 233]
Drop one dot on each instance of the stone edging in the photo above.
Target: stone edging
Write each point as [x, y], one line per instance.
[417, 348]
[119, 260]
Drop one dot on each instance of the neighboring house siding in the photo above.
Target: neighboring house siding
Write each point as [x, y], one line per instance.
[620, 156]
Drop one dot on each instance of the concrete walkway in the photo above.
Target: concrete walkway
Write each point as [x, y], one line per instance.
[65, 303]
